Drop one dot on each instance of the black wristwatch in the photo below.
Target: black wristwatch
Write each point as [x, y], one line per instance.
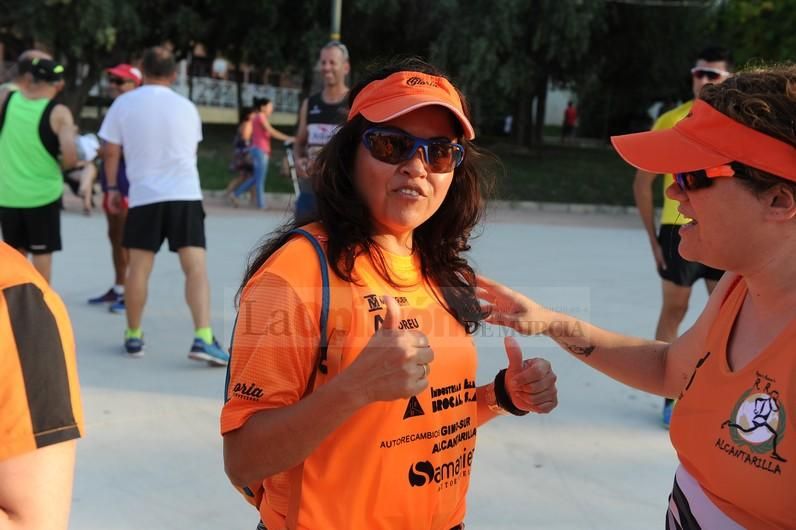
[502, 396]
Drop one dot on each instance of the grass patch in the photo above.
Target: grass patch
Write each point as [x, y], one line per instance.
[550, 173]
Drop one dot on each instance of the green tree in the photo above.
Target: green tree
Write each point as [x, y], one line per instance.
[760, 31]
[512, 50]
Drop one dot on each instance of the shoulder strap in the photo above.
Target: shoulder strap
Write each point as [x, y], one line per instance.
[297, 473]
[5, 108]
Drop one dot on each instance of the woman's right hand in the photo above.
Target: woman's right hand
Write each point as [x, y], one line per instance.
[508, 308]
[394, 364]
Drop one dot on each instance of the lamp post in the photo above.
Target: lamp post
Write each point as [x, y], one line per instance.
[337, 9]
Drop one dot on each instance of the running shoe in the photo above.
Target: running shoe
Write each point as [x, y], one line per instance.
[213, 353]
[134, 346]
[668, 407]
[108, 298]
[118, 306]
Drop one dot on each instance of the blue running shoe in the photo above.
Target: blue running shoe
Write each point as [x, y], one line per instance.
[134, 346]
[213, 353]
[108, 298]
[668, 407]
[118, 306]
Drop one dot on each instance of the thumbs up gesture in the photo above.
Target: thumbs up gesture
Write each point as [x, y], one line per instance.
[531, 384]
[394, 364]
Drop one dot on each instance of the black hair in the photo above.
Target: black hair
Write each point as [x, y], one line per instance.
[713, 54]
[158, 62]
[258, 103]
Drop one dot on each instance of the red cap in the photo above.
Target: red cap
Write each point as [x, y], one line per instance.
[403, 92]
[703, 139]
[126, 71]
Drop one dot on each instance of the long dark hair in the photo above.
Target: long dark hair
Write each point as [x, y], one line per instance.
[439, 242]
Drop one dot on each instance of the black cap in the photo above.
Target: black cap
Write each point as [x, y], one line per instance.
[45, 70]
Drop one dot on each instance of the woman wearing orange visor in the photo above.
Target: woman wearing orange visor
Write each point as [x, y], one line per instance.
[351, 397]
[734, 371]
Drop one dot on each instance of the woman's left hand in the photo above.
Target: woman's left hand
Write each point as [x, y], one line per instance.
[530, 383]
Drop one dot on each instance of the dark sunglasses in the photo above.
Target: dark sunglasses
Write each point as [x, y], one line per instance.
[703, 178]
[118, 80]
[711, 73]
[394, 146]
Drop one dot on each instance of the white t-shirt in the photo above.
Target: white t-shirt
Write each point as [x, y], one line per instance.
[159, 131]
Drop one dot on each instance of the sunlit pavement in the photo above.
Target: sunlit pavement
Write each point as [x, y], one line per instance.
[151, 458]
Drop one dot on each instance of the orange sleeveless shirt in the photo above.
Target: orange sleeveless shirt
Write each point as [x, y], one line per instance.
[734, 431]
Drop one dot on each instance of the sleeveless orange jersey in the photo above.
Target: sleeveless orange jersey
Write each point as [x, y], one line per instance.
[735, 435]
[399, 464]
[39, 393]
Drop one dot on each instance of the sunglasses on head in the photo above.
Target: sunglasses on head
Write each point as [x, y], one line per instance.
[711, 73]
[394, 146]
[703, 178]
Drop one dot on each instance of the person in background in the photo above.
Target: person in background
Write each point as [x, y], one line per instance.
[570, 121]
[258, 135]
[677, 274]
[159, 131]
[37, 142]
[241, 165]
[319, 118]
[122, 78]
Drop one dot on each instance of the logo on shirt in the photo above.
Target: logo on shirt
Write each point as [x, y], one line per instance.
[758, 418]
[315, 110]
[452, 396]
[445, 475]
[413, 408]
[250, 392]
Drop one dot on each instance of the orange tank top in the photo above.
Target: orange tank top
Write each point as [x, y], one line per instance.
[734, 432]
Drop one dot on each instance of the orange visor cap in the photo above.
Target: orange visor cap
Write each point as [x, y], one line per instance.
[403, 92]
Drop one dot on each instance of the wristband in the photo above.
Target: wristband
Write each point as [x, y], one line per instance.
[502, 396]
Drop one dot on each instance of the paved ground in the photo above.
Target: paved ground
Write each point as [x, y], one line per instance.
[152, 454]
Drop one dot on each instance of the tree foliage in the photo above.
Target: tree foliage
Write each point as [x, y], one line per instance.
[618, 57]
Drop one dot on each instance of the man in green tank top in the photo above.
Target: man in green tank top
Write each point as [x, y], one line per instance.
[34, 131]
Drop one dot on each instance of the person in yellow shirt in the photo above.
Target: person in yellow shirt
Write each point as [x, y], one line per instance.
[678, 275]
[376, 428]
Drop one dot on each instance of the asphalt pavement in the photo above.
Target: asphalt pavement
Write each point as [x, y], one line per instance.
[152, 455]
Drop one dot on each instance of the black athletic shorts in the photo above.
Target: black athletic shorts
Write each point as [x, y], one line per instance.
[37, 230]
[182, 222]
[678, 270]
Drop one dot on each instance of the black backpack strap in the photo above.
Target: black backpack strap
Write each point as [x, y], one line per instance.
[5, 108]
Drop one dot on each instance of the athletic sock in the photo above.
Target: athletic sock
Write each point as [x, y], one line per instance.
[206, 334]
[133, 333]
[118, 289]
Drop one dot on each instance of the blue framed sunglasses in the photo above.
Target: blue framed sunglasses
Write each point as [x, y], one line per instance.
[393, 146]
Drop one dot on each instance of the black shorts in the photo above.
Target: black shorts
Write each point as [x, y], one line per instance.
[678, 270]
[36, 230]
[182, 222]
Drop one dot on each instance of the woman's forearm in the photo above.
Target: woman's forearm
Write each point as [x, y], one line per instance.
[640, 363]
[278, 439]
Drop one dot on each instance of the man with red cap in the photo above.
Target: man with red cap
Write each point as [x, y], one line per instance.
[122, 78]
